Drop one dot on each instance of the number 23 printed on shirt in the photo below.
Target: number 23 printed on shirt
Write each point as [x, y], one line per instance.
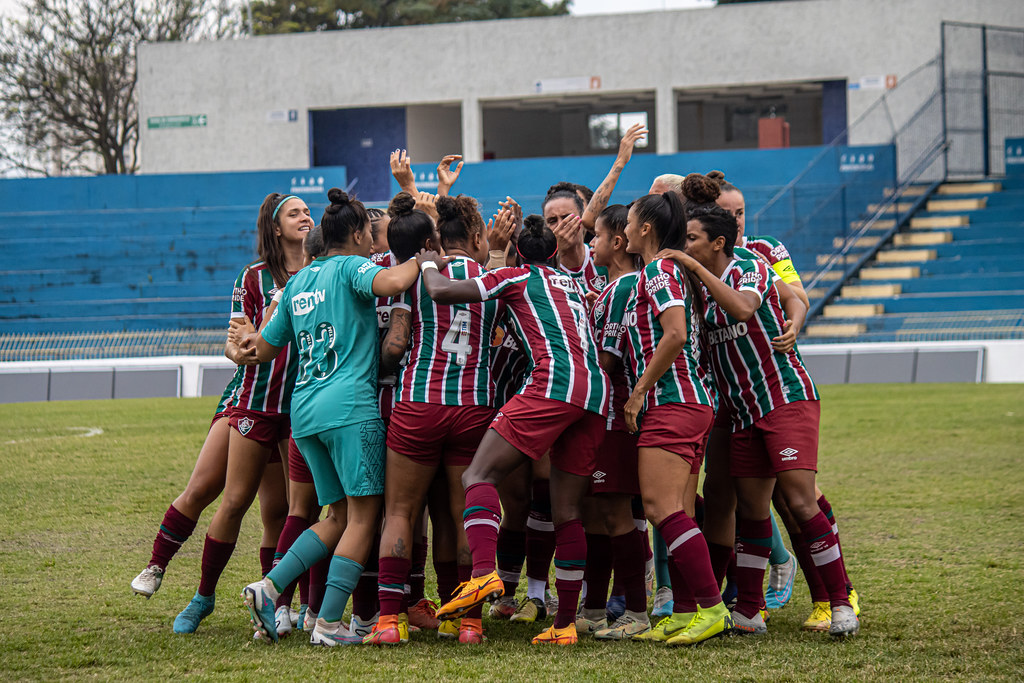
[317, 357]
[456, 340]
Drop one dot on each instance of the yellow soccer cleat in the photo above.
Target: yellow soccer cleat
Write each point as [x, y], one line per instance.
[820, 619]
[668, 627]
[854, 601]
[709, 623]
[530, 610]
[472, 593]
[449, 630]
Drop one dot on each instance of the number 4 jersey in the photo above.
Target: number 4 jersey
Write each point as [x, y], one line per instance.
[329, 310]
[547, 313]
[451, 345]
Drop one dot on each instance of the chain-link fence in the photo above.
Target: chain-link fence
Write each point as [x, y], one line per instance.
[80, 345]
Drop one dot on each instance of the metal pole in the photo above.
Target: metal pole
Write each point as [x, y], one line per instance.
[942, 88]
[986, 131]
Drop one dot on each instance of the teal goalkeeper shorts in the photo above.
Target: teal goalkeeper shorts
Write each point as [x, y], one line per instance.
[346, 461]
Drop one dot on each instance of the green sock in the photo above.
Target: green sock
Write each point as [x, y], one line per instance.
[341, 581]
[779, 553]
[306, 551]
[661, 560]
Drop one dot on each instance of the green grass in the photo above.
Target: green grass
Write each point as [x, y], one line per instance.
[927, 482]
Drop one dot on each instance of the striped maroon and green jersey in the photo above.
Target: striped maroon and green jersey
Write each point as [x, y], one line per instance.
[547, 313]
[662, 285]
[590, 277]
[227, 398]
[752, 377]
[606, 317]
[266, 387]
[450, 360]
[509, 365]
[775, 254]
[386, 386]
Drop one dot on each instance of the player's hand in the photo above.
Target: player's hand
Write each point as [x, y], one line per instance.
[427, 203]
[500, 229]
[568, 231]
[238, 328]
[634, 135]
[401, 169]
[680, 257]
[425, 255]
[446, 175]
[513, 206]
[632, 411]
[592, 298]
[785, 342]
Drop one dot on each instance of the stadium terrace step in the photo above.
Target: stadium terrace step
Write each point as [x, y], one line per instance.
[973, 204]
[114, 308]
[837, 330]
[843, 310]
[896, 207]
[968, 267]
[969, 188]
[897, 273]
[939, 222]
[957, 283]
[822, 259]
[921, 239]
[138, 322]
[930, 302]
[864, 242]
[880, 224]
[870, 291]
[905, 255]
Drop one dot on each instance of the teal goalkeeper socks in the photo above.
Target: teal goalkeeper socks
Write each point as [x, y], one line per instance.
[306, 551]
[341, 581]
[779, 552]
[660, 560]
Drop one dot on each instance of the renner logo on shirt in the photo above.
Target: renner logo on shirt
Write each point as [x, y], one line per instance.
[563, 282]
[724, 334]
[657, 282]
[305, 302]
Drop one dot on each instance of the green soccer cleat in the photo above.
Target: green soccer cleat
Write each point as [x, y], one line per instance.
[709, 623]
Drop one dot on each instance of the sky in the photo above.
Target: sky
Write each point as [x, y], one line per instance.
[580, 7]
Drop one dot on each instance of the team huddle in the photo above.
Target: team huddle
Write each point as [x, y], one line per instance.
[539, 388]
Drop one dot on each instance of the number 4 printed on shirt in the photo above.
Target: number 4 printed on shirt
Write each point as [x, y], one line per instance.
[456, 341]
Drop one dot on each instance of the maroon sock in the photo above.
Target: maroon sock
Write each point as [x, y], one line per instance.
[174, 530]
[304, 589]
[698, 511]
[628, 560]
[481, 521]
[267, 559]
[365, 595]
[826, 508]
[721, 557]
[215, 557]
[447, 579]
[753, 546]
[511, 551]
[682, 595]
[803, 557]
[827, 557]
[465, 574]
[540, 532]
[689, 551]
[417, 576]
[598, 571]
[570, 559]
[391, 584]
[293, 528]
[318, 583]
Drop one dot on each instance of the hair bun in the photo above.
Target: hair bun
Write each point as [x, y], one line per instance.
[716, 176]
[447, 209]
[402, 204]
[337, 196]
[701, 189]
[533, 224]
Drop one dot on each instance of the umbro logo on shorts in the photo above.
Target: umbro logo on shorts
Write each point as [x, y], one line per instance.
[599, 477]
[789, 454]
[244, 425]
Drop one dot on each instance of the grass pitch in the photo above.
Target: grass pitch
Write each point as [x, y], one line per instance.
[927, 482]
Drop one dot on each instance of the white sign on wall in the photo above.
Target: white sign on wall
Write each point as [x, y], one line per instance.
[886, 82]
[571, 84]
[282, 116]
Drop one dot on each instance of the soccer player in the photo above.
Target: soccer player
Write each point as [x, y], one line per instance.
[613, 540]
[329, 311]
[671, 408]
[445, 402]
[775, 410]
[560, 409]
[259, 408]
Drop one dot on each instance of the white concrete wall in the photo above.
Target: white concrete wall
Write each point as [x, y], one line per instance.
[235, 83]
[433, 130]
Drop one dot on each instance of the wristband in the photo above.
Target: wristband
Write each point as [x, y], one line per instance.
[427, 264]
[278, 295]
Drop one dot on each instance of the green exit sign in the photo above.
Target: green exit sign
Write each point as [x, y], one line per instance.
[181, 121]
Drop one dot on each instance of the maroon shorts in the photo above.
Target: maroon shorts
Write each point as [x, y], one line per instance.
[224, 413]
[784, 439]
[298, 470]
[266, 429]
[616, 468]
[679, 428]
[538, 425]
[386, 401]
[431, 434]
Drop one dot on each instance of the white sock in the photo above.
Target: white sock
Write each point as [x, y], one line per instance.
[535, 588]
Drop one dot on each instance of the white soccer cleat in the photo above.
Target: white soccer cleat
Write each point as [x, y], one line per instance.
[362, 628]
[283, 621]
[844, 622]
[148, 581]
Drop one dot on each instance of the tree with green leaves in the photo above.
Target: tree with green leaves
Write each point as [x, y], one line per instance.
[293, 16]
[68, 76]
